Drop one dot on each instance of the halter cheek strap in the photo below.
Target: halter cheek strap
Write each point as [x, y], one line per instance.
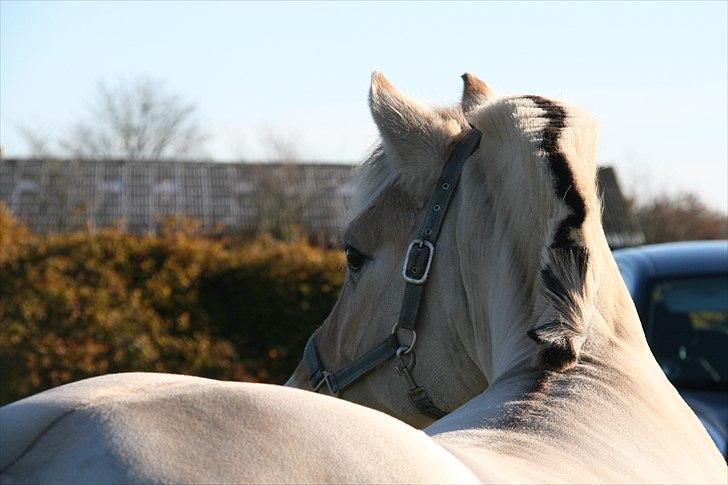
[415, 270]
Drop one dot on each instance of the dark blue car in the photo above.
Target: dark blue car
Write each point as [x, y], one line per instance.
[681, 293]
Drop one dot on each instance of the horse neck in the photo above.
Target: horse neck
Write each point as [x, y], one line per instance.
[511, 245]
[615, 376]
[611, 321]
[567, 417]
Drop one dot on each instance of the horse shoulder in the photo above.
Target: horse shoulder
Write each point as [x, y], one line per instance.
[159, 427]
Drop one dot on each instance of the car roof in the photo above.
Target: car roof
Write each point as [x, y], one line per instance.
[677, 259]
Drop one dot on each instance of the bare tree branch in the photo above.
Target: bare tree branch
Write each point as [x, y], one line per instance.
[38, 144]
[287, 200]
[281, 145]
[136, 121]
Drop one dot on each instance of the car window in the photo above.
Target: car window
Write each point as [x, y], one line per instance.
[687, 324]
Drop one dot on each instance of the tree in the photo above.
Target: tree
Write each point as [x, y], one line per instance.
[136, 121]
[38, 144]
[286, 189]
[680, 217]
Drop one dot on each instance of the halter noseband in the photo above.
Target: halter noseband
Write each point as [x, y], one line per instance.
[416, 268]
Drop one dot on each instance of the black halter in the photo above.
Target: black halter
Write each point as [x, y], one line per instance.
[416, 268]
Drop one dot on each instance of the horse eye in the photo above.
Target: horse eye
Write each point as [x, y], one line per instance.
[354, 258]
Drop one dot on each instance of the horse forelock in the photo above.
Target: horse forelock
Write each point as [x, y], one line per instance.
[371, 178]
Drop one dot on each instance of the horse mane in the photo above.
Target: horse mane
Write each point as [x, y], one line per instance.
[554, 162]
[566, 259]
[564, 287]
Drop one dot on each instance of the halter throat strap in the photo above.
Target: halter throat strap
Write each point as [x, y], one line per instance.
[415, 270]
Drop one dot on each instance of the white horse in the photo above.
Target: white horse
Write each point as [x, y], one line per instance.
[526, 334]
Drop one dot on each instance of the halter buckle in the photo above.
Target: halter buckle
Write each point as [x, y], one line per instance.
[417, 261]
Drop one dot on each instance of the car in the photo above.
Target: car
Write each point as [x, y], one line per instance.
[680, 291]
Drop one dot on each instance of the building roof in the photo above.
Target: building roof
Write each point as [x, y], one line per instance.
[620, 223]
[66, 195]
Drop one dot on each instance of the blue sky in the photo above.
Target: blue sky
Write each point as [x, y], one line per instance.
[654, 75]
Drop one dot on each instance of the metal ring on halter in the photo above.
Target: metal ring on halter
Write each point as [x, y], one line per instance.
[409, 346]
[325, 378]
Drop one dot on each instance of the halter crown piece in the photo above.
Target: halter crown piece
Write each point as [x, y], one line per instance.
[416, 268]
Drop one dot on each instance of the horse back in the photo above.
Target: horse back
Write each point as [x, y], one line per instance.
[169, 428]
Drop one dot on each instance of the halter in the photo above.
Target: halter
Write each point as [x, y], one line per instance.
[415, 270]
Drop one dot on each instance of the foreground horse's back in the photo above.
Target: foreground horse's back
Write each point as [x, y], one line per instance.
[175, 429]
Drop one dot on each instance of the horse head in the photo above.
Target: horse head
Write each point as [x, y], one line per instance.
[512, 280]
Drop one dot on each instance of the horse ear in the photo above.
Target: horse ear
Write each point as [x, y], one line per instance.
[475, 92]
[400, 119]
[415, 137]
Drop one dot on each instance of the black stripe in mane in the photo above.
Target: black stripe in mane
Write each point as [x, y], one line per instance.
[564, 183]
[564, 272]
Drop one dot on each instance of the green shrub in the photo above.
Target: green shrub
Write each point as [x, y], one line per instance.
[78, 305]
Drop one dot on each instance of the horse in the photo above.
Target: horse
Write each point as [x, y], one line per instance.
[506, 348]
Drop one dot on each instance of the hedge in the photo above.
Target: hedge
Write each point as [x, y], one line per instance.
[78, 305]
